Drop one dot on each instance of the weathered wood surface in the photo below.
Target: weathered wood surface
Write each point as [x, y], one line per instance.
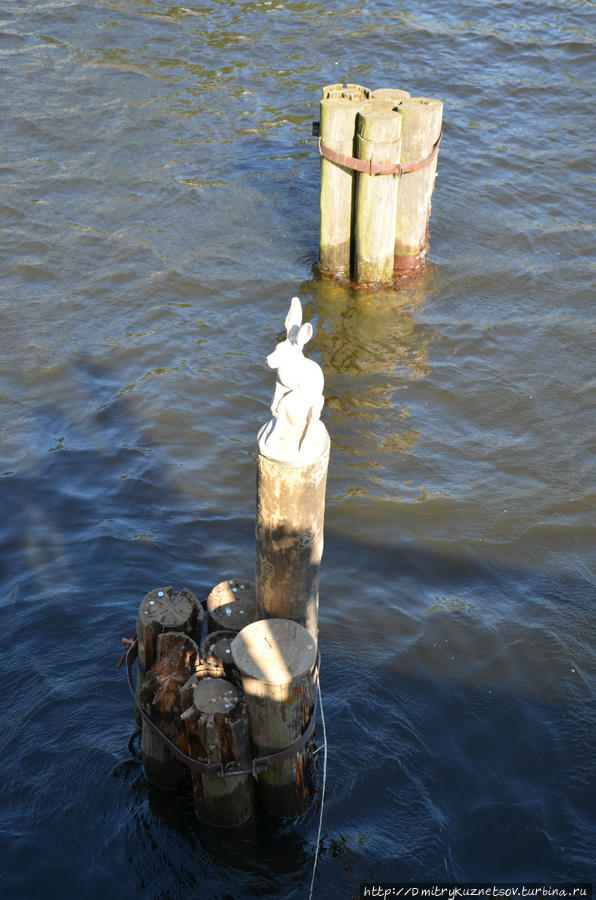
[356, 92]
[218, 644]
[378, 130]
[337, 127]
[289, 537]
[216, 727]
[161, 699]
[421, 126]
[389, 94]
[162, 611]
[231, 605]
[276, 659]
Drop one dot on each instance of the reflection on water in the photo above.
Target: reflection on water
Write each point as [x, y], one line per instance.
[371, 347]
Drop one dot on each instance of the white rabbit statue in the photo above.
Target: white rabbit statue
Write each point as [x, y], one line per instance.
[295, 432]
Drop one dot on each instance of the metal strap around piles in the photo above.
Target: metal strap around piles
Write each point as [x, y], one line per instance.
[258, 764]
[368, 167]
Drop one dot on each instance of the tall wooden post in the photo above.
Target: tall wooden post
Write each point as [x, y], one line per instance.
[421, 127]
[377, 140]
[289, 532]
[276, 659]
[291, 478]
[231, 605]
[338, 118]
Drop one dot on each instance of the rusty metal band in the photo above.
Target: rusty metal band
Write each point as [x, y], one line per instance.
[413, 261]
[258, 764]
[368, 167]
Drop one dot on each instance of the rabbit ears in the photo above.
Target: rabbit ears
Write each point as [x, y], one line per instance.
[297, 334]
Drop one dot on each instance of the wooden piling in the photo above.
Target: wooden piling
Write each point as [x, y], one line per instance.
[218, 644]
[338, 118]
[289, 533]
[160, 698]
[377, 139]
[276, 659]
[217, 731]
[231, 605]
[421, 127]
[161, 612]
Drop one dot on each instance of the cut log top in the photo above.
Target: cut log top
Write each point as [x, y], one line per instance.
[215, 695]
[232, 604]
[169, 611]
[163, 684]
[218, 641]
[421, 126]
[389, 94]
[275, 651]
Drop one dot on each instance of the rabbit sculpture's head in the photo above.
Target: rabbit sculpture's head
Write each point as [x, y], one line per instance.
[287, 355]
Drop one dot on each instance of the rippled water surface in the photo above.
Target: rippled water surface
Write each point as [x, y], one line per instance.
[159, 208]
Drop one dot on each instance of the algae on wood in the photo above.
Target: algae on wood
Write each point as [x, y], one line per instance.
[378, 131]
[421, 128]
[276, 659]
[289, 532]
[338, 118]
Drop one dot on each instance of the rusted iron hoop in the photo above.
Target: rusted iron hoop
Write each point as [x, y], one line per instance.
[258, 763]
[368, 167]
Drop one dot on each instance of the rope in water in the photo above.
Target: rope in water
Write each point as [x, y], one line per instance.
[314, 868]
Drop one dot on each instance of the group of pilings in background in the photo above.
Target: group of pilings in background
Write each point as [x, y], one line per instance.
[379, 158]
[226, 688]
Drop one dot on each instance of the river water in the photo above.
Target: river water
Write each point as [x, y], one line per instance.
[159, 209]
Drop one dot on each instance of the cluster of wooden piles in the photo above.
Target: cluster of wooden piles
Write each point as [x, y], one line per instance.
[226, 691]
[378, 167]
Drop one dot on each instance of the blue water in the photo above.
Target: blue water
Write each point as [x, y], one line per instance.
[159, 209]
